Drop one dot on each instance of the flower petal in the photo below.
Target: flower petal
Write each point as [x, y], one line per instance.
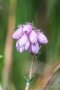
[18, 49]
[21, 49]
[35, 47]
[29, 49]
[23, 40]
[27, 28]
[33, 37]
[18, 33]
[42, 38]
[17, 43]
[27, 45]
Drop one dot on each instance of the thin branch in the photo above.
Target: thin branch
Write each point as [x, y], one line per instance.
[37, 68]
[31, 72]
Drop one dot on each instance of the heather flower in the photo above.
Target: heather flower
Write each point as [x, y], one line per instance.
[35, 47]
[17, 45]
[22, 45]
[42, 38]
[19, 49]
[23, 40]
[18, 33]
[27, 45]
[33, 37]
[28, 38]
[29, 49]
[27, 28]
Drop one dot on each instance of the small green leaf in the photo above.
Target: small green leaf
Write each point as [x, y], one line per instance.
[28, 81]
[32, 78]
[25, 79]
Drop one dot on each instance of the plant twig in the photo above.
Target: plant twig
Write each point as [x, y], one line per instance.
[37, 68]
[30, 73]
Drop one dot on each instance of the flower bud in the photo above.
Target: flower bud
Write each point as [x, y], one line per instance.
[27, 45]
[35, 48]
[21, 49]
[27, 28]
[42, 38]
[33, 37]
[18, 33]
[23, 40]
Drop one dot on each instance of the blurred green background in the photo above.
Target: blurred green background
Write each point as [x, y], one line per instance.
[45, 15]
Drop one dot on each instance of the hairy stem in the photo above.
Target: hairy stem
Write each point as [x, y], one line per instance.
[30, 73]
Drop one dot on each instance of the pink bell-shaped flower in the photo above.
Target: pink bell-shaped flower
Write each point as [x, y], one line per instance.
[42, 38]
[23, 40]
[21, 49]
[27, 45]
[27, 28]
[33, 37]
[17, 45]
[35, 47]
[18, 33]
[28, 38]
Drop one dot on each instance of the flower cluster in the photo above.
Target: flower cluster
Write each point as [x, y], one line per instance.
[28, 38]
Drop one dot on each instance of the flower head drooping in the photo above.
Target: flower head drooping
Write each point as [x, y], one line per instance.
[28, 38]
